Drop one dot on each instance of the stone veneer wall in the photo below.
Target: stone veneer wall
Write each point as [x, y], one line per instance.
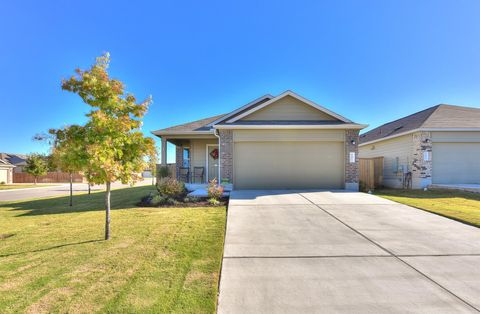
[226, 155]
[421, 169]
[351, 169]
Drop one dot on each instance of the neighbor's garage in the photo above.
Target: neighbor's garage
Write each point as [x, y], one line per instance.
[456, 157]
[4, 175]
[289, 159]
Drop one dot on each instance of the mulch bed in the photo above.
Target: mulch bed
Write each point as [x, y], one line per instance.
[202, 203]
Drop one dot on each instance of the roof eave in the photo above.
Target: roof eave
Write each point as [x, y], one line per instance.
[292, 126]
[419, 130]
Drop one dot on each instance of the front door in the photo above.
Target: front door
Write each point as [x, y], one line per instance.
[212, 162]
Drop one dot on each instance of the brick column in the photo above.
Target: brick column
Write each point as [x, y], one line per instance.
[421, 168]
[351, 168]
[178, 158]
[226, 155]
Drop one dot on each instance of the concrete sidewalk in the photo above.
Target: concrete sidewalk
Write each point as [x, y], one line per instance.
[344, 252]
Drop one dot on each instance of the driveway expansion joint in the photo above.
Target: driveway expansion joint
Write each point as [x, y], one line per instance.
[393, 255]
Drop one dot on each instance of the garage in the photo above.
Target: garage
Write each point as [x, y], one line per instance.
[3, 175]
[286, 159]
[456, 163]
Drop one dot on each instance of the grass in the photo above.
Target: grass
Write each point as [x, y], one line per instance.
[21, 186]
[462, 206]
[53, 257]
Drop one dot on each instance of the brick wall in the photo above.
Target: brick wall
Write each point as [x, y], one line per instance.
[226, 154]
[178, 157]
[351, 169]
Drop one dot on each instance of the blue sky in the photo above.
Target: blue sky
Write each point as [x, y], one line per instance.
[371, 61]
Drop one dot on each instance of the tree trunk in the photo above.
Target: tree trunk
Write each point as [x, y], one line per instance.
[71, 189]
[35, 180]
[107, 212]
[88, 188]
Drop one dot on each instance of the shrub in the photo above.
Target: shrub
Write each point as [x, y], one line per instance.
[157, 200]
[215, 191]
[3, 182]
[213, 202]
[163, 172]
[191, 199]
[171, 188]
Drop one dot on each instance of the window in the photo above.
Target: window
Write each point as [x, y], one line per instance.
[186, 157]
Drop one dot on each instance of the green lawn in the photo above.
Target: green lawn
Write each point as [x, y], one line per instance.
[462, 206]
[21, 186]
[53, 258]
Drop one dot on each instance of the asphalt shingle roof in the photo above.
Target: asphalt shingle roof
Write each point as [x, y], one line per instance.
[440, 116]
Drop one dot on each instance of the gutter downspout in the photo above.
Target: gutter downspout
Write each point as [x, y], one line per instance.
[215, 132]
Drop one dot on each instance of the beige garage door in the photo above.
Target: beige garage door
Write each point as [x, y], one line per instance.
[3, 175]
[456, 163]
[289, 165]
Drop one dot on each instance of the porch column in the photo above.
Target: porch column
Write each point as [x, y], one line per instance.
[164, 151]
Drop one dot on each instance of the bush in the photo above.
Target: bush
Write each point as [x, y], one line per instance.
[213, 202]
[163, 172]
[215, 191]
[2, 183]
[171, 188]
[191, 199]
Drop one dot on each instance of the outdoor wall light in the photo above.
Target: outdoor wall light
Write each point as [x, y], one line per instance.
[353, 142]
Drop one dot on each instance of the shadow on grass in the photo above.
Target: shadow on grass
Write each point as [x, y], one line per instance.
[51, 248]
[420, 194]
[120, 199]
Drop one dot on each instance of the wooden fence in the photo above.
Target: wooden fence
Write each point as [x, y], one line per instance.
[371, 173]
[50, 177]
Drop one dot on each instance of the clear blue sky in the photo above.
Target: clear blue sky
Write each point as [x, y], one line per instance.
[372, 61]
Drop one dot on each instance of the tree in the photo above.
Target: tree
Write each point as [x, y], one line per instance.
[152, 164]
[36, 166]
[113, 141]
[68, 151]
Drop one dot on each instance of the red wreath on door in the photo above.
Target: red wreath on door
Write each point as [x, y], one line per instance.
[214, 153]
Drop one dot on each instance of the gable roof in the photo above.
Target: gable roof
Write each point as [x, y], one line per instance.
[230, 120]
[436, 118]
[285, 94]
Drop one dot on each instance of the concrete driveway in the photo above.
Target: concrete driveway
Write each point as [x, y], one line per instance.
[324, 252]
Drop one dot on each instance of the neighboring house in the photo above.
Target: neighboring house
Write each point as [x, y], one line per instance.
[439, 145]
[282, 142]
[6, 171]
[18, 160]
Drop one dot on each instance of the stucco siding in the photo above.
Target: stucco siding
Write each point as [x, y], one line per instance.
[288, 108]
[397, 155]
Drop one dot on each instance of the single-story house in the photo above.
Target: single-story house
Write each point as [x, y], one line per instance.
[439, 145]
[6, 171]
[18, 160]
[273, 142]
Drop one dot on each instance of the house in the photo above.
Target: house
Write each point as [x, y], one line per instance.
[273, 142]
[439, 145]
[6, 171]
[18, 160]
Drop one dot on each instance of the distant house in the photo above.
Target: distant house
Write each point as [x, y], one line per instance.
[18, 160]
[6, 171]
[439, 145]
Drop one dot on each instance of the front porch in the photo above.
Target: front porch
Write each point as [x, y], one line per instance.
[197, 158]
